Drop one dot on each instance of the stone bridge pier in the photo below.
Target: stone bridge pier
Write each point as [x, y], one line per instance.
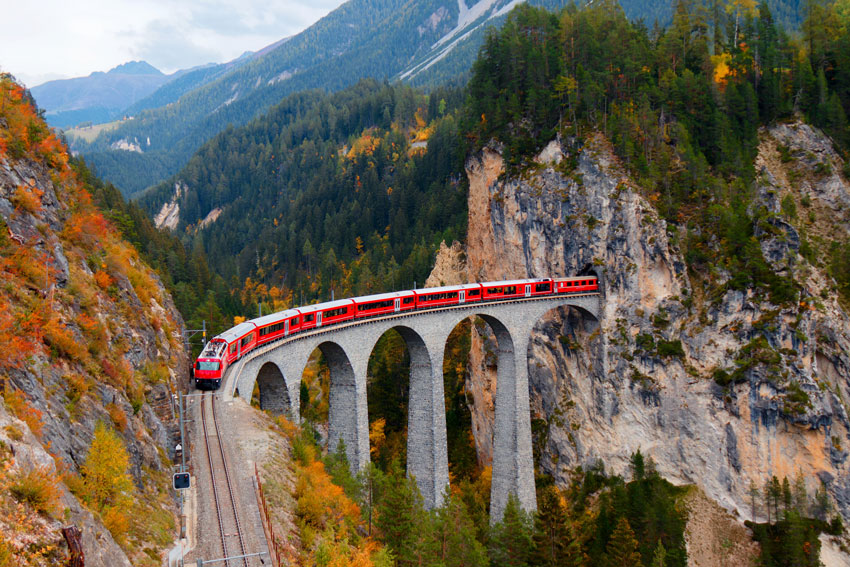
[277, 369]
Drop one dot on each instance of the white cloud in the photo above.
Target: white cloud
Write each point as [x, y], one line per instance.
[51, 39]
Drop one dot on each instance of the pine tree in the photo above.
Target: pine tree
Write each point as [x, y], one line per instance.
[400, 513]
[555, 541]
[510, 541]
[622, 549]
[659, 558]
[454, 537]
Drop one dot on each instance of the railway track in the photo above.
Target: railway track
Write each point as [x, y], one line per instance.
[230, 530]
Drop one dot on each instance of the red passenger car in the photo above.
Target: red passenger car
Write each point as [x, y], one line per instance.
[277, 325]
[240, 339]
[437, 296]
[380, 304]
[516, 288]
[579, 284]
[328, 313]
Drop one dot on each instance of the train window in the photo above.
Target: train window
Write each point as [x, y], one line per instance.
[204, 365]
[510, 290]
[335, 312]
[473, 292]
[495, 290]
[232, 348]
[293, 321]
[407, 300]
[247, 339]
[542, 287]
[309, 317]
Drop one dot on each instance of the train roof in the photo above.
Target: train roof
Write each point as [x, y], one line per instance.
[571, 278]
[274, 317]
[382, 296]
[515, 282]
[446, 288]
[238, 331]
[327, 305]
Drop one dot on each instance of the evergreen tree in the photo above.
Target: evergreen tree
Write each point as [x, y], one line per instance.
[555, 541]
[659, 558]
[622, 548]
[511, 543]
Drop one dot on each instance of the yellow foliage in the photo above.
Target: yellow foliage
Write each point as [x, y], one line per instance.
[320, 501]
[116, 522]
[366, 144]
[377, 436]
[721, 68]
[237, 319]
[106, 483]
[7, 555]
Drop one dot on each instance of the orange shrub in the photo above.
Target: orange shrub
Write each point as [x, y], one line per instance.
[18, 405]
[27, 198]
[62, 341]
[37, 487]
[19, 335]
[86, 228]
[94, 330]
[103, 279]
[117, 415]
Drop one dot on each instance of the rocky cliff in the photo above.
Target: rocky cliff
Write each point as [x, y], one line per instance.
[90, 336]
[654, 373]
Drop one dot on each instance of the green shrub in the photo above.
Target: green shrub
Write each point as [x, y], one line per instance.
[670, 348]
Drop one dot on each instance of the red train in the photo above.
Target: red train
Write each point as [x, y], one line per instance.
[228, 347]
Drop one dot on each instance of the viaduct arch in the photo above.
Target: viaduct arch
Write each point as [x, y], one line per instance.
[278, 368]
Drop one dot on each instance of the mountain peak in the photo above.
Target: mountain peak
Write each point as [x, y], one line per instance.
[135, 68]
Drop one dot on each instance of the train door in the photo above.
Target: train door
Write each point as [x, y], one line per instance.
[286, 328]
[397, 303]
[528, 291]
[462, 296]
[319, 319]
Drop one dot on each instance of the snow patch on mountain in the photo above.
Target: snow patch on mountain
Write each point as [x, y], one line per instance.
[468, 21]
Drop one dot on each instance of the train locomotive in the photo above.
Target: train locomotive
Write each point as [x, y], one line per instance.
[231, 345]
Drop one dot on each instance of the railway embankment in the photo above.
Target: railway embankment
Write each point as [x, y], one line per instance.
[248, 441]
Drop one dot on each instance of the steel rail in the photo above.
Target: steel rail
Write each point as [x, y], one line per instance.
[229, 483]
[216, 498]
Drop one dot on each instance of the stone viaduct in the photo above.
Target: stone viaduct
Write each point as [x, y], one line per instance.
[278, 367]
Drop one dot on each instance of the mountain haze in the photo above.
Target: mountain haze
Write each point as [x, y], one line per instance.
[100, 97]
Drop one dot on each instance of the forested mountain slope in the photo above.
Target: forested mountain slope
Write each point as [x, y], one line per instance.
[350, 192]
[359, 39]
[91, 352]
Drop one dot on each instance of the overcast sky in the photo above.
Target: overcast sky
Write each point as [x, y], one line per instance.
[52, 39]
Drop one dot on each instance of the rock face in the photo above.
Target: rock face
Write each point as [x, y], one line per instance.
[450, 266]
[119, 362]
[642, 377]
